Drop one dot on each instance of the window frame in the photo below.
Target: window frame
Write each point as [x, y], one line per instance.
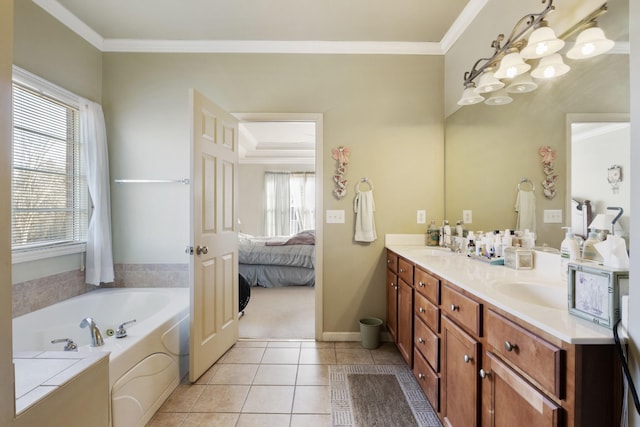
[26, 254]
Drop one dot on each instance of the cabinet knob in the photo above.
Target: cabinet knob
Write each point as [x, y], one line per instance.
[388, 261]
[392, 284]
[420, 340]
[455, 307]
[467, 359]
[484, 374]
[509, 346]
[420, 284]
[402, 270]
[421, 310]
[420, 376]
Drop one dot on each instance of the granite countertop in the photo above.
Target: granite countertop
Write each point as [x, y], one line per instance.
[538, 296]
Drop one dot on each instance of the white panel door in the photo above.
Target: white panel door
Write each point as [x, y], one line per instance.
[214, 264]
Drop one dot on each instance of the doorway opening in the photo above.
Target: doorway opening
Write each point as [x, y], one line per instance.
[280, 214]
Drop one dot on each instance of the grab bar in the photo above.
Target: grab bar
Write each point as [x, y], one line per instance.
[152, 181]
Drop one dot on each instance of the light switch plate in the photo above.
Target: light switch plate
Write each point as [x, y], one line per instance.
[552, 216]
[335, 216]
[421, 217]
[467, 216]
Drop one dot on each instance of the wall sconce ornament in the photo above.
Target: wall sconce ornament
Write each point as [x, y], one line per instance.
[341, 156]
[614, 176]
[549, 184]
[531, 39]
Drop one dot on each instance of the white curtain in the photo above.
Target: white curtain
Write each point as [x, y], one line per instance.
[303, 202]
[277, 204]
[93, 134]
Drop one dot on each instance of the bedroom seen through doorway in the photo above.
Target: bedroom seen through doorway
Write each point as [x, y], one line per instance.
[279, 213]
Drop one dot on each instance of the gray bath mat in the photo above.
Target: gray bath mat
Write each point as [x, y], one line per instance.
[378, 396]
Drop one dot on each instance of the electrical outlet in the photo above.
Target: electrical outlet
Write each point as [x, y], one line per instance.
[335, 217]
[421, 217]
[552, 216]
[467, 217]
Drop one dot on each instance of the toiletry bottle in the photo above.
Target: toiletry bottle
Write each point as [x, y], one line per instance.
[471, 248]
[433, 234]
[447, 233]
[459, 229]
[588, 249]
[569, 251]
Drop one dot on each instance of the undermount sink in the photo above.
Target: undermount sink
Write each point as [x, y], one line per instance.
[533, 293]
[436, 251]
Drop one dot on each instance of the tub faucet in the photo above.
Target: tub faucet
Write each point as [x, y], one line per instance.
[96, 335]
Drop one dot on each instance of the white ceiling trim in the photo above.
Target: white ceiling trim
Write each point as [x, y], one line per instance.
[466, 17]
[67, 18]
[272, 46]
[63, 15]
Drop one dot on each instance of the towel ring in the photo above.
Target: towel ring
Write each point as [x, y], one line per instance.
[365, 180]
[527, 181]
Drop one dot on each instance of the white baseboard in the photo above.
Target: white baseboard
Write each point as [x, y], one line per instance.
[349, 336]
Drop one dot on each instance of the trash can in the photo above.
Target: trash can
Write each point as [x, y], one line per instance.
[370, 332]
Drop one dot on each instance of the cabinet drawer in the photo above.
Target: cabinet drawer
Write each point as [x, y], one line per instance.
[427, 285]
[405, 271]
[462, 309]
[427, 312]
[541, 360]
[427, 342]
[428, 380]
[392, 261]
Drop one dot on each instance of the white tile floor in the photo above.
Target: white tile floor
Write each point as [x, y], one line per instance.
[267, 383]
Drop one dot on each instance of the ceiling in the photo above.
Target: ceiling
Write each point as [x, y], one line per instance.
[269, 26]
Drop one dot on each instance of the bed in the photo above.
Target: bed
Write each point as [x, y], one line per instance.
[278, 261]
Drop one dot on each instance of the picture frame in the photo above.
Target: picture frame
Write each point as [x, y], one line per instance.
[594, 292]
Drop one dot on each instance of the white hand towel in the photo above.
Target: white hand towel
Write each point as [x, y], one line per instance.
[526, 208]
[364, 206]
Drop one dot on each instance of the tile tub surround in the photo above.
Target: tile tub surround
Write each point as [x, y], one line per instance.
[35, 294]
[483, 281]
[40, 373]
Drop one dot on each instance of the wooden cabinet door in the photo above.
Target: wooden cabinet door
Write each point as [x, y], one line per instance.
[460, 380]
[392, 305]
[508, 400]
[405, 321]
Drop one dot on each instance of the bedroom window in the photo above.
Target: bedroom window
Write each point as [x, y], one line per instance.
[289, 202]
[49, 197]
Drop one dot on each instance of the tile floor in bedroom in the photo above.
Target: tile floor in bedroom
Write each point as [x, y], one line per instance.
[267, 383]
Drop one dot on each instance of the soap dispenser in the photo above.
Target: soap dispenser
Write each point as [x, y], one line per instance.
[569, 251]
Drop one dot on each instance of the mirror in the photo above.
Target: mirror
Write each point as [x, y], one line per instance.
[490, 149]
[598, 168]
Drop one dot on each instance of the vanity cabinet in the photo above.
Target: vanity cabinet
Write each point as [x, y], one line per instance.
[426, 334]
[508, 399]
[399, 291]
[460, 380]
[480, 365]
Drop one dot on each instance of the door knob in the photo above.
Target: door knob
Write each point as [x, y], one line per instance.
[202, 250]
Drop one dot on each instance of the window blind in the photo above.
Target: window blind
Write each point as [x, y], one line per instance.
[49, 189]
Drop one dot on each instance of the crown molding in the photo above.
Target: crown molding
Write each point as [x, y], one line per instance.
[272, 46]
[55, 9]
[462, 22]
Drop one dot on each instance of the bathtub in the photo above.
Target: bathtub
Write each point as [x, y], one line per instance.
[145, 366]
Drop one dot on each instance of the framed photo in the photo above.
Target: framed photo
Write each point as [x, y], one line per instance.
[595, 291]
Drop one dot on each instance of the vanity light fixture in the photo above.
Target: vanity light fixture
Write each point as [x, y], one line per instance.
[509, 58]
[499, 98]
[590, 42]
[469, 96]
[550, 67]
[542, 42]
[522, 84]
[488, 82]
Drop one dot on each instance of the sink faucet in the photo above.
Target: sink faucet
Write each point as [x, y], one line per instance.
[96, 335]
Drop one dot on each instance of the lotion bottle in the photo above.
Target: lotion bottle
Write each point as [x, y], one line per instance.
[569, 251]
